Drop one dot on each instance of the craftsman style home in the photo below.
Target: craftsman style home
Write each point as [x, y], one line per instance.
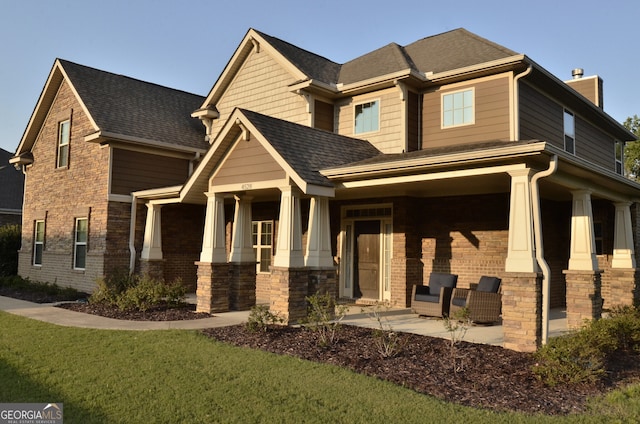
[451, 154]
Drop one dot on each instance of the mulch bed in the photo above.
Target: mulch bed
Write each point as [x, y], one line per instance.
[476, 375]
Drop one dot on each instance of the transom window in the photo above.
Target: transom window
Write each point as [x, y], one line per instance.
[38, 242]
[80, 243]
[367, 117]
[619, 146]
[63, 144]
[569, 132]
[262, 232]
[458, 108]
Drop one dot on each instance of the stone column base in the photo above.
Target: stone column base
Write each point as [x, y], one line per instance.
[584, 296]
[242, 286]
[213, 287]
[152, 268]
[289, 288]
[522, 311]
[619, 287]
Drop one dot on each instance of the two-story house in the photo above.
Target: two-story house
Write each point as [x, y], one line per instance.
[450, 154]
[94, 138]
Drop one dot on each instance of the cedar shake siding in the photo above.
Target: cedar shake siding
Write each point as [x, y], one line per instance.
[133, 171]
[492, 112]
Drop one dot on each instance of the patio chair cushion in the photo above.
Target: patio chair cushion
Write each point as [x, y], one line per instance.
[437, 280]
[428, 298]
[459, 301]
[489, 284]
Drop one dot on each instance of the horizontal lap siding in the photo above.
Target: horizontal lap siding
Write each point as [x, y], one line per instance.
[247, 162]
[262, 85]
[492, 114]
[541, 118]
[594, 145]
[389, 137]
[133, 171]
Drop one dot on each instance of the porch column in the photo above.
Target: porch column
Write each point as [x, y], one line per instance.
[521, 253]
[151, 262]
[623, 250]
[584, 283]
[289, 244]
[319, 235]
[213, 243]
[213, 271]
[242, 286]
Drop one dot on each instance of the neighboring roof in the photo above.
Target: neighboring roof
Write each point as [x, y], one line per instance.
[122, 107]
[308, 150]
[11, 184]
[134, 108]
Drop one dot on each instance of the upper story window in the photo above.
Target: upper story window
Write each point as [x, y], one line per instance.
[367, 117]
[38, 242]
[64, 130]
[262, 243]
[619, 146]
[80, 243]
[458, 108]
[569, 132]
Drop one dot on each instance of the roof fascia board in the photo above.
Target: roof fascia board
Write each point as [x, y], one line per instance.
[106, 137]
[486, 66]
[159, 193]
[382, 80]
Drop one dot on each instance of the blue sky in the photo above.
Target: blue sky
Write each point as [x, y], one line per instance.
[185, 45]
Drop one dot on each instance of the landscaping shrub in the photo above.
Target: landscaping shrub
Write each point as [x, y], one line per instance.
[10, 238]
[53, 291]
[582, 356]
[138, 292]
[261, 317]
[323, 317]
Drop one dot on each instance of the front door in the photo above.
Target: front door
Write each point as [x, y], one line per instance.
[367, 259]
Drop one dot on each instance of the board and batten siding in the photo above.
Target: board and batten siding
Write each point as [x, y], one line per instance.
[390, 136]
[262, 85]
[133, 171]
[247, 162]
[540, 117]
[492, 113]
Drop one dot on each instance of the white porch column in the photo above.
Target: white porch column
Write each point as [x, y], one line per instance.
[582, 256]
[289, 244]
[213, 245]
[319, 234]
[521, 254]
[241, 242]
[152, 247]
[623, 250]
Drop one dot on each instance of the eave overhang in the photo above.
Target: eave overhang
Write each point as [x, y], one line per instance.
[106, 137]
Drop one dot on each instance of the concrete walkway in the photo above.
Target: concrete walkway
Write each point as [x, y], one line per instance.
[401, 320]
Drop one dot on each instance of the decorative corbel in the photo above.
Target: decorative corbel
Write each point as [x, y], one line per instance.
[256, 44]
[246, 135]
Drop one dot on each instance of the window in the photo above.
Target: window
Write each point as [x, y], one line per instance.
[262, 243]
[63, 144]
[619, 157]
[80, 243]
[457, 108]
[569, 132]
[367, 117]
[38, 242]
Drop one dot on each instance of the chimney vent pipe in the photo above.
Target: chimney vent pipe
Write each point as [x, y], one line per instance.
[577, 73]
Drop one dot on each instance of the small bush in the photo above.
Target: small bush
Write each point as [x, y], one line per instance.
[261, 317]
[388, 342]
[324, 317]
[457, 325]
[10, 239]
[140, 293]
[49, 292]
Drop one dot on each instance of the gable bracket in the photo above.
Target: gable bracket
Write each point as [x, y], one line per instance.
[246, 134]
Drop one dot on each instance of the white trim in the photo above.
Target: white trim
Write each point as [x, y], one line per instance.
[364, 102]
[76, 243]
[472, 89]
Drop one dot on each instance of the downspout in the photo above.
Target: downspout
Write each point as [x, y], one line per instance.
[516, 103]
[539, 245]
[132, 234]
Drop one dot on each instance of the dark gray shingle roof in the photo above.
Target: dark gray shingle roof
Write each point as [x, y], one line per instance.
[11, 183]
[135, 108]
[308, 150]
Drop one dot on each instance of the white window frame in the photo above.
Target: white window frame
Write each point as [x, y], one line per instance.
[258, 245]
[569, 129]
[38, 242]
[77, 244]
[443, 122]
[63, 144]
[377, 117]
[618, 147]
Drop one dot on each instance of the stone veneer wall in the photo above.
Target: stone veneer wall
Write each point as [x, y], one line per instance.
[584, 297]
[522, 311]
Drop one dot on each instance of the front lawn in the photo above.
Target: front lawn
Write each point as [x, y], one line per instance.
[106, 376]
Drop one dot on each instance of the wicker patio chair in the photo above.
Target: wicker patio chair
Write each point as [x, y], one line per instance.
[433, 300]
[483, 301]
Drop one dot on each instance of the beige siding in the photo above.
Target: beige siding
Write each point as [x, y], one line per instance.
[247, 162]
[540, 117]
[133, 171]
[390, 136]
[492, 112]
[261, 85]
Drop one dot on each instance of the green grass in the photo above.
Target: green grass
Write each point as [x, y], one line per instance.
[183, 377]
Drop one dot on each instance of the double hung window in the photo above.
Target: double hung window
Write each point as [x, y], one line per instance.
[569, 132]
[262, 243]
[64, 130]
[619, 146]
[80, 243]
[38, 242]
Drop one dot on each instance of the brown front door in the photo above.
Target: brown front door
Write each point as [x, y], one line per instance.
[367, 259]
